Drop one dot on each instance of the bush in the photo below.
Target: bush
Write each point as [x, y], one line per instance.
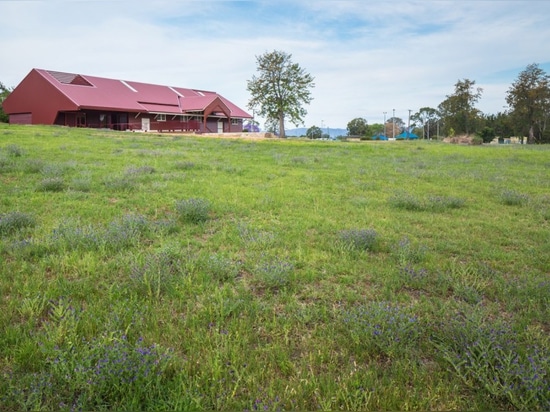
[477, 140]
[487, 134]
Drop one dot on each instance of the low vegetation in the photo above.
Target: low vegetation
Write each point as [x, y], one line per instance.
[147, 272]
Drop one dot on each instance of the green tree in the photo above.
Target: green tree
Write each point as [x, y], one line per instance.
[426, 118]
[487, 134]
[529, 101]
[501, 123]
[314, 132]
[280, 90]
[4, 93]
[394, 126]
[458, 111]
[358, 127]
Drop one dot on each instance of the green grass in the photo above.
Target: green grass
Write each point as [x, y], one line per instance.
[147, 272]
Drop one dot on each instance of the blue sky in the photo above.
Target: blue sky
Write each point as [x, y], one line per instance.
[367, 57]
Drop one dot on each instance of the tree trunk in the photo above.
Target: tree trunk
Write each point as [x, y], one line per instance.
[531, 138]
[282, 126]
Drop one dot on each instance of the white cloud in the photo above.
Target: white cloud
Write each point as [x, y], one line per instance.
[366, 57]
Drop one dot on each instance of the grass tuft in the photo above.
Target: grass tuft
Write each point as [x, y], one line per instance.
[358, 239]
[411, 202]
[489, 356]
[193, 210]
[513, 198]
[14, 221]
[51, 184]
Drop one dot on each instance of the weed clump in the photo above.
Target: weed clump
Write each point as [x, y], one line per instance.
[193, 210]
[410, 202]
[274, 273]
[14, 150]
[358, 239]
[513, 198]
[489, 356]
[387, 328]
[220, 267]
[51, 184]
[157, 273]
[108, 372]
[13, 221]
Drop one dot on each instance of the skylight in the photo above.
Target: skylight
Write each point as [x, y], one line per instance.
[175, 91]
[128, 86]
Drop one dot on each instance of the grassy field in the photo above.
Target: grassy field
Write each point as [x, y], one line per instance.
[156, 272]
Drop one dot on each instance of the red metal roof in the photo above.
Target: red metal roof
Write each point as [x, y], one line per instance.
[91, 92]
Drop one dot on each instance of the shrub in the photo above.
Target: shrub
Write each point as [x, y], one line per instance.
[193, 210]
[477, 140]
[13, 221]
[487, 134]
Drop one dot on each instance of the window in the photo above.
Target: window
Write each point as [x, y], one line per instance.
[161, 117]
[235, 122]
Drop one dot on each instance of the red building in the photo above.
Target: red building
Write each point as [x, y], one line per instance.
[68, 99]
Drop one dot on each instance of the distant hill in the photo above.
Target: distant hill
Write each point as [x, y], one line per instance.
[333, 132]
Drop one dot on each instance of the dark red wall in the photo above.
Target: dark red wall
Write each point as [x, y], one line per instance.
[37, 96]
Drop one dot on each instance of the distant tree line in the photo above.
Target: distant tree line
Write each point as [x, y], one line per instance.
[528, 113]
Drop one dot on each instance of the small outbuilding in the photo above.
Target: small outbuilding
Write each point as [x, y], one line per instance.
[69, 99]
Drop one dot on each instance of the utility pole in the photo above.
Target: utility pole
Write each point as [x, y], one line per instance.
[409, 125]
[393, 127]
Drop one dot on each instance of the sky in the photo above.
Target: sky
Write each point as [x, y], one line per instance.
[367, 57]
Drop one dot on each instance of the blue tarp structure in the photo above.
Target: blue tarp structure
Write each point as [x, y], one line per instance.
[407, 136]
[379, 137]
